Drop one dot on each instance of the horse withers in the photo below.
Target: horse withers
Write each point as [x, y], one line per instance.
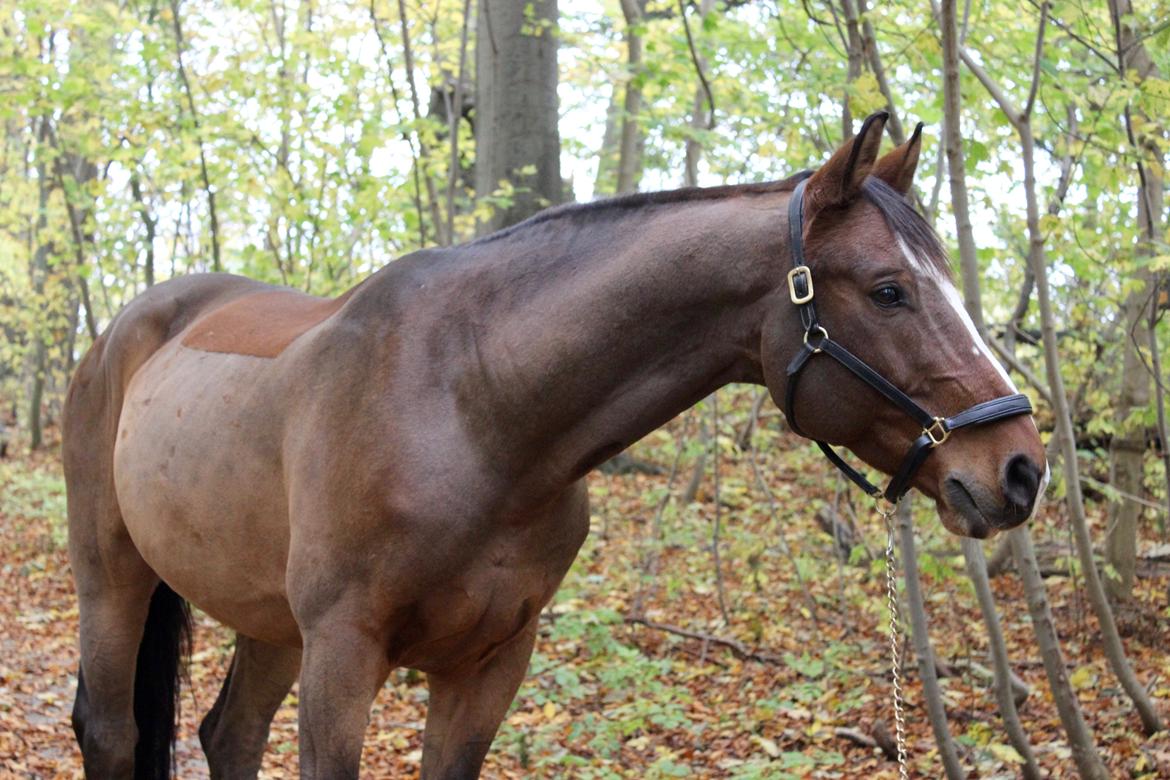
[396, 477]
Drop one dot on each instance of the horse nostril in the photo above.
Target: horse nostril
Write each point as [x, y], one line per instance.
[1021, 481]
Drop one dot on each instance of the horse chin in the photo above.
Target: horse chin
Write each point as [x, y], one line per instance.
[965, 519]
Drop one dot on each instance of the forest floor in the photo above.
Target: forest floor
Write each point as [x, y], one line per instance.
[609, 698]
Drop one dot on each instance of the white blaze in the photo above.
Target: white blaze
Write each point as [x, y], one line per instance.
[926, 270]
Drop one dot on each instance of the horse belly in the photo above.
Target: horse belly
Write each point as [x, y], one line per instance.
[197, 468]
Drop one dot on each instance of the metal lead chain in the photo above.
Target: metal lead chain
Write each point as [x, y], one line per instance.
[895, 639]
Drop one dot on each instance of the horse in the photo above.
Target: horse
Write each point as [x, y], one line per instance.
[396, 477]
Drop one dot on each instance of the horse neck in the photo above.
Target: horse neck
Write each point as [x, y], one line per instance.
[593, 335]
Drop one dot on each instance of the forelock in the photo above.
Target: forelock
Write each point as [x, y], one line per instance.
[907, 225]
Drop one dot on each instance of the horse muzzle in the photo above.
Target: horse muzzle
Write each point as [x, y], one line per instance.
[985, 510]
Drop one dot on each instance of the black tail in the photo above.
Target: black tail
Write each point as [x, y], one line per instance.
[166, 641]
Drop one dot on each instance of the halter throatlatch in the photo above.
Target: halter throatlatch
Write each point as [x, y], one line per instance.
[935, 430]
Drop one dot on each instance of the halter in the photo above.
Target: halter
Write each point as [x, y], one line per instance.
[935, 430]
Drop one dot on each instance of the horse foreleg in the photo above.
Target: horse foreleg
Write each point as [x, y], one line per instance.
[342, 669]
[235, 731]
[466, 709]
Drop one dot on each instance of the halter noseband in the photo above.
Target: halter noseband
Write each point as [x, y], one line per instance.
[935, 430]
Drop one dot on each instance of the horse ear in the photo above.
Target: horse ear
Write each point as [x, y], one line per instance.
[839, 180]
[897, 167]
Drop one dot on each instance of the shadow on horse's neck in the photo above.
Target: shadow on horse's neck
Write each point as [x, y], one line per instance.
[589, 330]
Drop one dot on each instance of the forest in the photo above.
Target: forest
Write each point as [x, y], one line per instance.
[730, 614]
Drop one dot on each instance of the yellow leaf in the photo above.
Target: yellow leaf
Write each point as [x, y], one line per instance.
[1083, 677]
[865, 95]
[1005, 753]
[550, 710]
[767, 745]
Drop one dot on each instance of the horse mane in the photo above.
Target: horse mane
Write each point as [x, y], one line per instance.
[902, 218]
[639, 200]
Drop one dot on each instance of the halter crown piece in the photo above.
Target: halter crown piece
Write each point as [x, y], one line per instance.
[935, 430]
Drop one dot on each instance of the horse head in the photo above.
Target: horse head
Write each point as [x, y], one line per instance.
[913, 389]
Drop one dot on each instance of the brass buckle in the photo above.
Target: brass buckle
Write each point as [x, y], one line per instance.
[799, 299]
[937, 432]
[824, 337]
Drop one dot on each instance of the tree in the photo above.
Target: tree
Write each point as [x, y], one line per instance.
[1127, 450]
[632, 138]
[516, 134]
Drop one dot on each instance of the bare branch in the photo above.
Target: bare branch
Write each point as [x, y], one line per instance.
[422, 144]
[698, 66]
[1021, 369]
[715, 528]
[1036, 58]
[406, 136]
[454, 112]
[1009, 109]
[1079, 39]
[737, 648]
[873, 56]
[176, 25]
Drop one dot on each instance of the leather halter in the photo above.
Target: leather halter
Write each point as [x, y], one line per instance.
[935, 430]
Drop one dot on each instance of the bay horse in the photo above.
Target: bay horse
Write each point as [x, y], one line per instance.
[395, 478]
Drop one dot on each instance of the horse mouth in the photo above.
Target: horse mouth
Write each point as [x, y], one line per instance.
[962, 503]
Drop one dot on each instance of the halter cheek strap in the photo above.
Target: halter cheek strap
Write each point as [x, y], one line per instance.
[935, 430]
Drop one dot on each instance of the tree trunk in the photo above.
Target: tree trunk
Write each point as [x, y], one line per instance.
[1111, 640]
[700, 120]
[956, 166]
[935, 708]
[454, 114]
[516, 134]
[424, 152]
[149, 224]
[1128, 446]
[1160, 399]
[632, 140]
[213, 218]
[36, 433]
[977, 571]
[972, 551]
[80, 171]
[605, 183]
[1080, 739]
[1127, 450]
[855, 51]
[39, 273]
[873, 57]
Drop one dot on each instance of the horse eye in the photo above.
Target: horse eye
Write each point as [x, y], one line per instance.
[887, 296]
